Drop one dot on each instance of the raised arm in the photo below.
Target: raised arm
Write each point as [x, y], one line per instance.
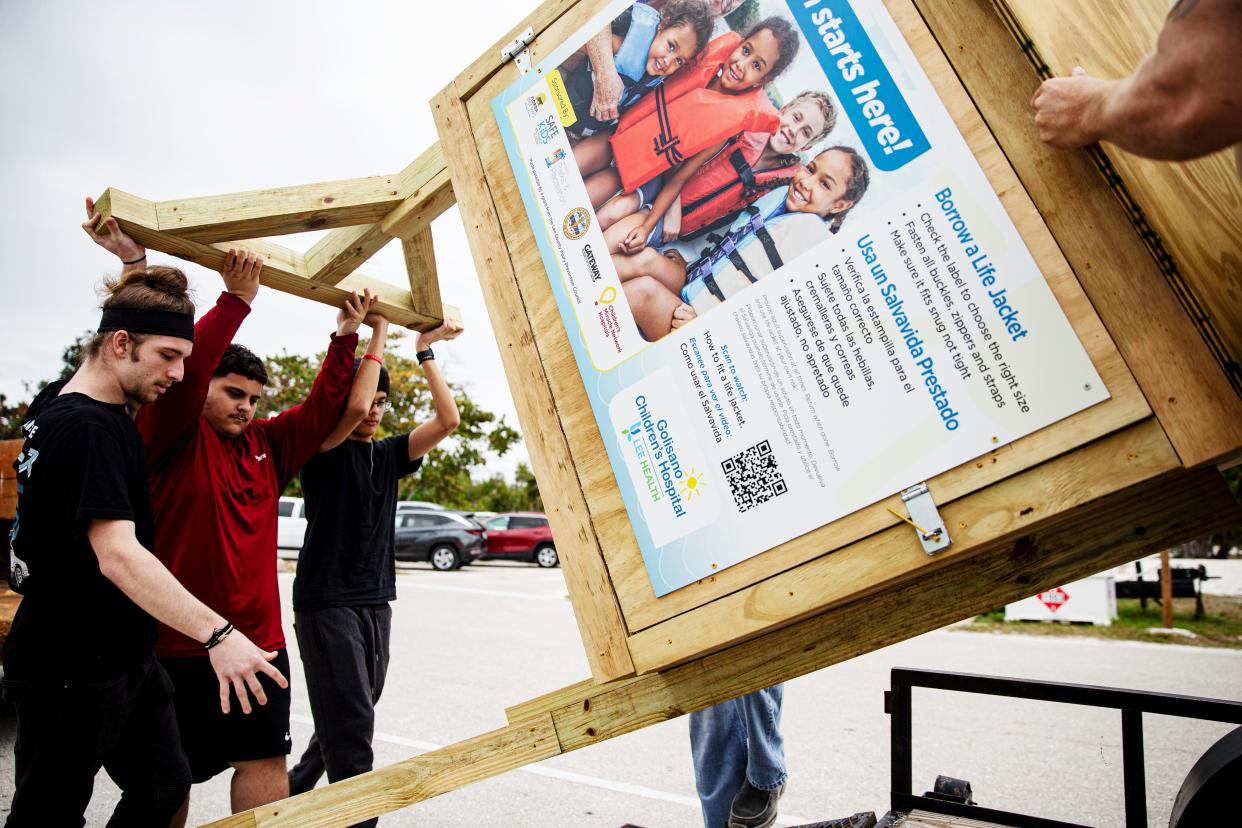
[140, 575]
[110, 237]
[177, 412]
[1182, 101]
[296, 434]
[425, 437]
[669, 193]
[366, 382]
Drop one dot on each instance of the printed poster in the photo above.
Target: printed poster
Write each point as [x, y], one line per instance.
[789, 288]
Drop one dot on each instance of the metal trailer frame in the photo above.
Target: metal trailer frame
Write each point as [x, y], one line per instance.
[1132, 704]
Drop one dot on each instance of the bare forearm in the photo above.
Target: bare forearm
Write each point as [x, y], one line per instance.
[599, 51]
[1149, 114]
[366, 380]
[1183, 99]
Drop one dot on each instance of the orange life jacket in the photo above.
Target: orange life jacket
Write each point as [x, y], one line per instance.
[729, 182]
[681, 117]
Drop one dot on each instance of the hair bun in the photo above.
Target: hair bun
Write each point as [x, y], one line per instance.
[153, 288]
[168, 280]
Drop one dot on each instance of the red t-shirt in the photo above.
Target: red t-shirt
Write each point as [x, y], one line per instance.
[215, 499]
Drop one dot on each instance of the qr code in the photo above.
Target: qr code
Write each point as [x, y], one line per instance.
[754, 477]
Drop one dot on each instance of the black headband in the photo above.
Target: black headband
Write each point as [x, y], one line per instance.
[160, 322]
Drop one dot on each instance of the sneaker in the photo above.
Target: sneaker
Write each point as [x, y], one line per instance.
[753, 808]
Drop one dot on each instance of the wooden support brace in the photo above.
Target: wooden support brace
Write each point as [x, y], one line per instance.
[420, 268]
[414, 780]
[595, 606]
[342, 251]
[284, 269]
[283, 210]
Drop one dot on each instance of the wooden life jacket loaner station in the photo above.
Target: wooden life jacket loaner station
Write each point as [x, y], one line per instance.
[1143, 257]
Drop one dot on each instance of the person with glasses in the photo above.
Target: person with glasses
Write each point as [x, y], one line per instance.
[346, 574]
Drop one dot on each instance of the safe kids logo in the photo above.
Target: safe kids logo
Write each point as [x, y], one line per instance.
[576, 223]
[547, 129]
[534, 103]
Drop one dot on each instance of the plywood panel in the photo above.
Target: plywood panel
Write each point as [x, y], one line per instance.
[1183, 383]
[1195, 206]
[638, 602]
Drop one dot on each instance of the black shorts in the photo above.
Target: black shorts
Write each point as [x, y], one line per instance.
[213, 740]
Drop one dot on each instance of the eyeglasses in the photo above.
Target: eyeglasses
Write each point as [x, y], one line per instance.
[380, 404]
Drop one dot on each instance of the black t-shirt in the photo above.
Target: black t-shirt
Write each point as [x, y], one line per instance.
[82, 460]
[348, 557]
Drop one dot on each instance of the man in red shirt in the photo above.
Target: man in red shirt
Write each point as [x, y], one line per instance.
[216, 479]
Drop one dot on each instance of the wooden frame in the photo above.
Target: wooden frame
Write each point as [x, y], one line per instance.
[1105, 486]
[363, 214]
[736, 603]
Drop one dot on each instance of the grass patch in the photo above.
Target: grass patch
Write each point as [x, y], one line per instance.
[1220, 626]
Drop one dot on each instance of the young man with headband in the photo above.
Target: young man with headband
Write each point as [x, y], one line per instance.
[347, 568]
[78, 662]
[216, 479]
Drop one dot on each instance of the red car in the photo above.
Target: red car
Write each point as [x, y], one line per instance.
[520, 536]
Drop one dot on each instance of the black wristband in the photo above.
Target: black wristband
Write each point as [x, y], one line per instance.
[423, 356]
[141, 258]
[218, 635]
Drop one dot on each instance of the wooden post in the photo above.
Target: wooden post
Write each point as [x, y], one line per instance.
[1166, 590]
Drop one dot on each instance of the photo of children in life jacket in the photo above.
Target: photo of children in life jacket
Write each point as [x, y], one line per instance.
[708, 166]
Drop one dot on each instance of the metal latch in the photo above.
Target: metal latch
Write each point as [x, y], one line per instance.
[925, 518]
[516, 50]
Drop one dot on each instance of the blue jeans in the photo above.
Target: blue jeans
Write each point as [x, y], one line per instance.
[735, 741]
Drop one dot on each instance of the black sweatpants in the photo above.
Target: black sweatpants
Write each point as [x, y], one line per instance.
[67, 732]
[345, 657]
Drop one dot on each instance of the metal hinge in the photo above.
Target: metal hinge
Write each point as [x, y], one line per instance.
[516, 50]
[925, 519]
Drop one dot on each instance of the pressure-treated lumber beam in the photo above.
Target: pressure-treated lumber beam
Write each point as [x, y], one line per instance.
[283, 269]
[343, 250]
[595, 605]
[420, 268]
[283, 210]
[414, 780]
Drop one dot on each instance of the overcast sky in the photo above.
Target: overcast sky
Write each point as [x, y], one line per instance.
[176, 99]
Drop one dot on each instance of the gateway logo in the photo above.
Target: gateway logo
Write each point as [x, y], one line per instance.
[589, 255]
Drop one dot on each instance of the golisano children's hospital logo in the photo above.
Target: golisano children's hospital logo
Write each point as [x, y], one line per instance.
[576, 223]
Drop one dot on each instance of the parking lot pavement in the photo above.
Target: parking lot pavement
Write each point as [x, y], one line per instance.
[466, 644]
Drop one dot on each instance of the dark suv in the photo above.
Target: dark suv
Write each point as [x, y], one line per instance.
[446, 539]
[521, 536]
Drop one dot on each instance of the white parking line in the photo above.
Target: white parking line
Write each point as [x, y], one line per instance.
[498, 593]
[569, 776]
